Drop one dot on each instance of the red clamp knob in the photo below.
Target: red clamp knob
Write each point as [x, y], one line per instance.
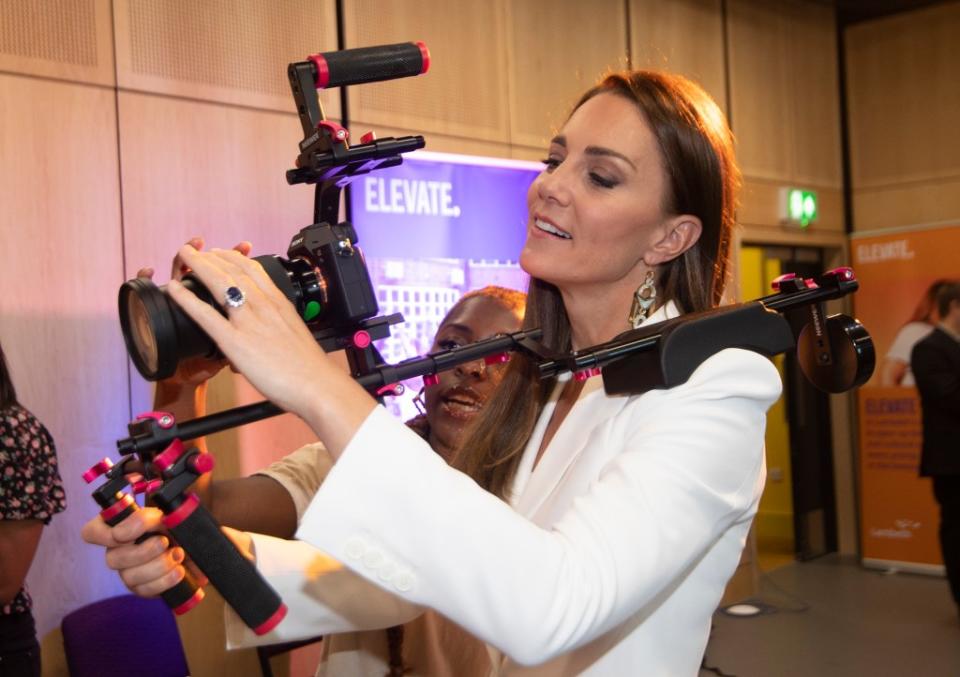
[96, 470]
[201, 463]
[584, 374]
[844, 273]
[146, 486]
[431, 379]
[169, 455]
[499, 358]
[392, 389]
[164, 419]
[783, 278]
[361, 339]
[338, 132]
[369, 137]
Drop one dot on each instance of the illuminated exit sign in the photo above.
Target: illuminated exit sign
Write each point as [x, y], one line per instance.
[798, 207]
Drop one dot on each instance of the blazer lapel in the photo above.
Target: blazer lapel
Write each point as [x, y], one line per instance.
[532, 489]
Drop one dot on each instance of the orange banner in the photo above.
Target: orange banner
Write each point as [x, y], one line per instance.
[898, 274]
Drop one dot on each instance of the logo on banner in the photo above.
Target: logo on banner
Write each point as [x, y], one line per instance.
[409, 196]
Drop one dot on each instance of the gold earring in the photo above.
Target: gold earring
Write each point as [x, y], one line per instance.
[643, 300]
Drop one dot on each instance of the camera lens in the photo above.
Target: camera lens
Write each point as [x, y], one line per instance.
[159, 334]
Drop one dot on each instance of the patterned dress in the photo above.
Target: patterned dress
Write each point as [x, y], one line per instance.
[30, 485]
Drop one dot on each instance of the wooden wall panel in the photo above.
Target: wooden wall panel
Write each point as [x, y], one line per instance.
[759, 95]
[815, 96]
[232, 51]
[907, 204]
[784, 99]
[903, 92]
[556, 52]
[465, 92]
[61, 266]
[74, 42]
[682, 36]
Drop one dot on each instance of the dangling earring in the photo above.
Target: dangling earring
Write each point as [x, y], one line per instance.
[643, 300]
[419, 403]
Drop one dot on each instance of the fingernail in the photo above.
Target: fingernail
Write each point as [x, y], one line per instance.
[178, 555]
[164, 543]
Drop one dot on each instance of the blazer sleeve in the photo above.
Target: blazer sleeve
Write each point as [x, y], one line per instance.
[690, 466]
[322, 596]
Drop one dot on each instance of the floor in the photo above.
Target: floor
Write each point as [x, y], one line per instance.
[830, 617]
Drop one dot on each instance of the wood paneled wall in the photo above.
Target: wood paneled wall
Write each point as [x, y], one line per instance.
[110, 162]
[903, 92]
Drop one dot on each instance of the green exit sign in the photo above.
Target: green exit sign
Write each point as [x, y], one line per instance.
[798, 207]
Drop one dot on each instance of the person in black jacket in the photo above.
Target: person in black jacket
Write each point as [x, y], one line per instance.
[935, 362]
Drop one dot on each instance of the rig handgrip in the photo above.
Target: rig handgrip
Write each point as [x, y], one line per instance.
[234, 577]
[369, 64]
[184, 595]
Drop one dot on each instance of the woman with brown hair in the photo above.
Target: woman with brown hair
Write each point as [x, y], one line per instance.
[580, 532]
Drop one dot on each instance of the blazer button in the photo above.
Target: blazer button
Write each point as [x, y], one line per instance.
[372, 559]
[354, 547]
[403, 581]
[386, 571]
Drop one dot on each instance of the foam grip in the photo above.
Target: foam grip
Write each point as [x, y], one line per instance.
[184, 595]
[233, 575]
[370, 64]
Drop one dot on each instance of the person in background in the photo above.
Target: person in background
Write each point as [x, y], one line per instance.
[31, 492]
[273, 500]
[579, 532]
[895, 368]
[936, 367]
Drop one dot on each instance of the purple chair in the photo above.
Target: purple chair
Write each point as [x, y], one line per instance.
[123, 636]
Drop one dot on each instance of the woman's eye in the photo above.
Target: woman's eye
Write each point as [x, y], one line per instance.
[602, 181]
[448, 344]
[551, 163]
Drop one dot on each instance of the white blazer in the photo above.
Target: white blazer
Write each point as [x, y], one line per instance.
[609, 559]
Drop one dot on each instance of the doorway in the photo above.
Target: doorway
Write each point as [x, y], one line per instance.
[797, 515]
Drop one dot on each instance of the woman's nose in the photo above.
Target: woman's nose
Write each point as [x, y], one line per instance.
[553, 186]
[476, 369]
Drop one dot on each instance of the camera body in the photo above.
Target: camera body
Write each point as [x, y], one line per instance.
[331, 276]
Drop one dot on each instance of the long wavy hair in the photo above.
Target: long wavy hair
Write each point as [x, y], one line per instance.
[696, 147]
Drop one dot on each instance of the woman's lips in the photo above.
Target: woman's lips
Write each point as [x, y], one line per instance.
[461, 403]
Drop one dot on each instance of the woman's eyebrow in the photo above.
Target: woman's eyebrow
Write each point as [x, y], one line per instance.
[608, 152]
[561, 140]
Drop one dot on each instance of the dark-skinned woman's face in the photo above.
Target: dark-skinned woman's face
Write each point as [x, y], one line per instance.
[461, 392]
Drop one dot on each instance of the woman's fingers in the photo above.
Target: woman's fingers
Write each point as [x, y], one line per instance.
[179, 268]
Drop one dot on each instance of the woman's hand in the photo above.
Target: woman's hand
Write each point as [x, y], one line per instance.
[148, 568]
[194, 371]
[266, 340]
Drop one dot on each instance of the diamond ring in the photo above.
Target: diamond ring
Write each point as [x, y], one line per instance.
[234, 297]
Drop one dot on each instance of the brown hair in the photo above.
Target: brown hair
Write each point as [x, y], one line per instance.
[949, 292]
[8, 394]
[928, 303]
[697, 152]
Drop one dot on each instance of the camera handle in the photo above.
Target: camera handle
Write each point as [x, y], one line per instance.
[172, 472]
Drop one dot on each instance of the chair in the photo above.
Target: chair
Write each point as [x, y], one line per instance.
[123, 636]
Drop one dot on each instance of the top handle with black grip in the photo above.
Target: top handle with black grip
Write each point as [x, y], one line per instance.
[369, 64]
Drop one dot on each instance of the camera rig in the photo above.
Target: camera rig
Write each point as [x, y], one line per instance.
[326, 269]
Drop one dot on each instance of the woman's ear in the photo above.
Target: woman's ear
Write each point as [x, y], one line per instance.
[679, 234]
